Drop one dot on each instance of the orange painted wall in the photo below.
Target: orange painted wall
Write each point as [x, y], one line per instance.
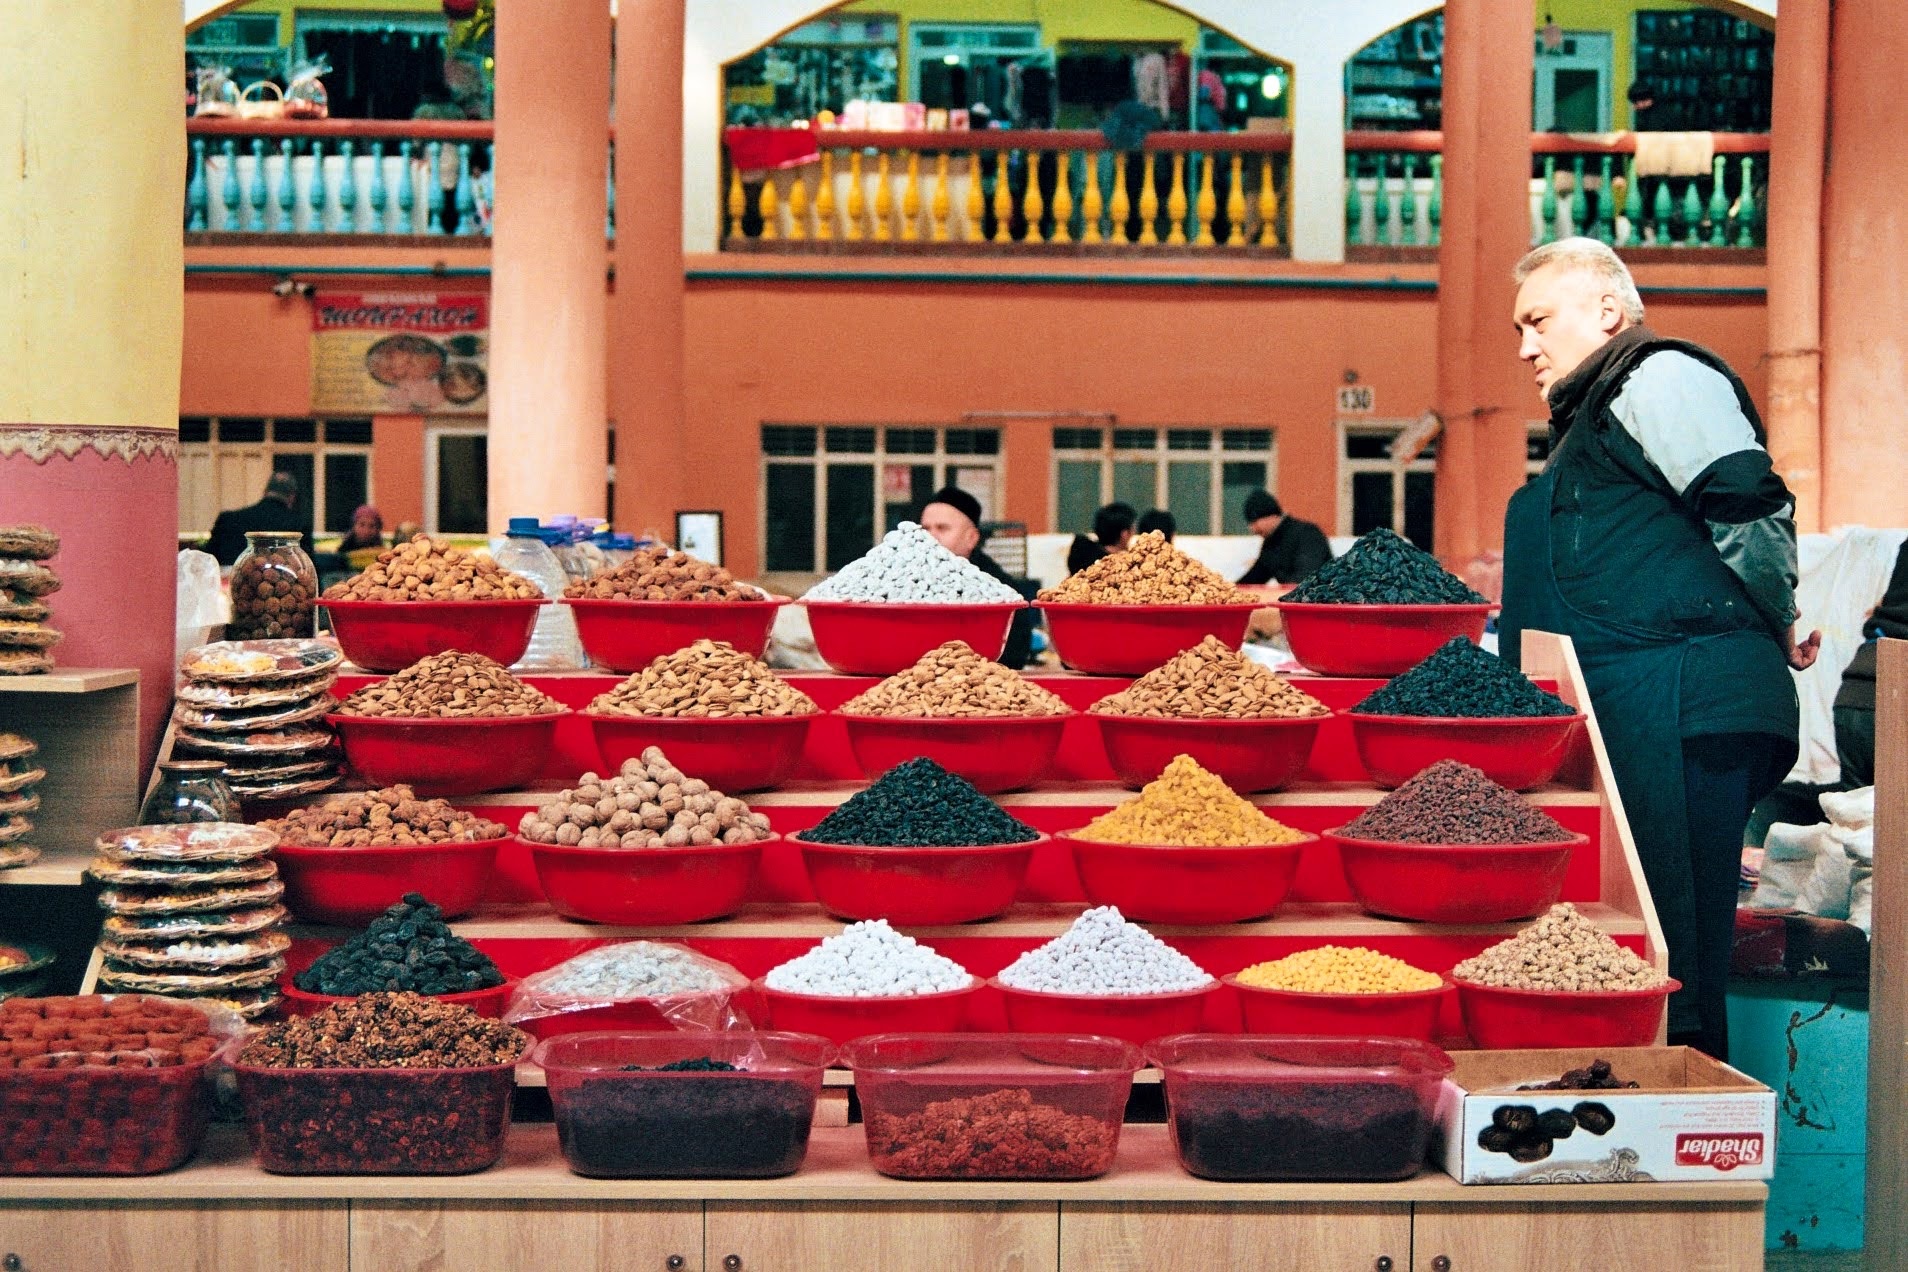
[247, 352]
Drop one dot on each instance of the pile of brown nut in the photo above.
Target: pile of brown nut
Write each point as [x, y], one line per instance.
[387, 1031]
[393, 815]
[1562, 950]
[273, 589]
[657, 574]
[1148, 571]
[1211, 681]
[425, 570]
[954, 682]
[710, 679]
[650, 803]
[449, 686]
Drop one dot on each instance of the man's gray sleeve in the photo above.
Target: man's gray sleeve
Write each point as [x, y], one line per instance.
[1686, 418]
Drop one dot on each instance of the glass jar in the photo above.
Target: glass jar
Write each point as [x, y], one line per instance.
[274, 585]
[190, 791]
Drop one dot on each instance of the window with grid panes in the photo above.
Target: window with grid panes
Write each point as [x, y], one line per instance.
[1200, 475]
[225, 461]
[830, 492]
[1374, 492]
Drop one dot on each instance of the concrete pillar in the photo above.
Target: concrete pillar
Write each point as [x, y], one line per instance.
[1864, 247]
[549, 310]
[647, 379]
[91, 289]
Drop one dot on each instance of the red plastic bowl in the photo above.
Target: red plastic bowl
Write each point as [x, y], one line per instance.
[1154, 883]
[1520, 752]
[485, 1002]
[646, 886]
[879, 638]
[1410, 1014]
[1248, 755]
[352, 886]
[1134, 1018]
[628, 635]
[734, 754]
[391, 635]
[1511, 1019]
[1130, 640]
[998, 753]
[447, 757]
[1375, 640]
[1455, 883]
[841, 1019]
[916, 886]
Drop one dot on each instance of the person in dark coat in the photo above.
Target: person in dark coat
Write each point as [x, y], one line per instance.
[1855, 700]
[277, 509]
[1161, 520]
[953, 517]
[1112, 530]
[1292, 548]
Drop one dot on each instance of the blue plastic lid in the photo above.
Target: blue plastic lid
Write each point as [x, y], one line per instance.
[524, 528]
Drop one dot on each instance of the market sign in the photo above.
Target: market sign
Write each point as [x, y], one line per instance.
[384, 353]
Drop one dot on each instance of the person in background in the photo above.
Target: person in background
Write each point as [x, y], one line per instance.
[1161, 520]
[1643, 112]
[276, 509]
[1855, 700]
[953, 517]
[1660, 539]
[1112, 530]
[1292, 548]
[362, 543]
[405, 532]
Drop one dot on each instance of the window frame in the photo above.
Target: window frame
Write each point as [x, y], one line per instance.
[1215, 455]
[320, 449]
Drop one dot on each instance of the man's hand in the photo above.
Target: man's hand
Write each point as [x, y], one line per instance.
[1802, 656]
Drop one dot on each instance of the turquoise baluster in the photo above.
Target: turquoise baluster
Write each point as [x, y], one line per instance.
[195, 189]
[257, 192]
[466, 204]
[378, 195]
[1606, 205]
[1381, 206]
[347, 191]
[1632, 205]
[1746, 206]
[1718, 208]
[287, 188]
[434, 192]
[1579, 201]
[407, 196]
[1434, 210]
[1660, 214]
[1354, 205]
[1692, 215]
[1547, 206]
[229, 186]
[316, 194]
[1409, 229]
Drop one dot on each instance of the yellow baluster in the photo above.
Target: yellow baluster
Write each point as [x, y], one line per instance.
[1208, 206]
[1090, 204]
[1176, 201]
[941, 204]
[883, 201]
[1268, 205]
[911, 201]
[766, 205]
[797, 208]
[1036, 206]
[1062, 199]
[738, 202]
[1003, 200]
[825, 198]
[857, 199]
[1235, 201]
[974, 210]
[1122, 208]
[1149, 203]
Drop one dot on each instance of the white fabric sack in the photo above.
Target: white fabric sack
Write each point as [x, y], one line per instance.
[1787, 863]
[1826, 891]
[1841, 583]
[200, 604]
[1851, 810]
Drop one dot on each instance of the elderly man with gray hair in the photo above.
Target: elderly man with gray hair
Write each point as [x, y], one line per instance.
[1660, 539]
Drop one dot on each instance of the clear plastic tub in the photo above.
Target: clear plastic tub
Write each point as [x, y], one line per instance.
[376, 1121]
[1261, 1107]
[618, 1117]
[992, 1106]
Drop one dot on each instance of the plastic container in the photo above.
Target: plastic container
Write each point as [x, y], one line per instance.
[376, 1121]
[639, 1015]
[447, 757]
[615, 1123]
[627, 636]
[879, 638]
[1153, 883]
[843, 1018]
[957, 1106]
[1248, 755]
[734, 754]
[646, 886]
[1455, 883]
[916, 886]
[1131, 640]
[995, 753]
[1261, 1109]
[530, 551]
[351, 886]
[1407, 1014]
[1134, 1018]
[101, 1121]
[1521, 752]
[485, 1002]
[1375, 640]
[391, 635]
[1523, 1018]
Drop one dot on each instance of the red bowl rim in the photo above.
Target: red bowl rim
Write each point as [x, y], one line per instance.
[1668, 987]
[1291, 846]
[1387, 996]
[1490, 850]
[1160, 996]
[366, 607]
[1113, 607]
[1217, 723]
[313, 852]
[913, 607]
[681, 850]
[616, 602]
[1462, 722]
[338, 719]
[856, 718]
[1376, 611]
[1000, 850]
[296, 994]
[612, 717]
[761, 985]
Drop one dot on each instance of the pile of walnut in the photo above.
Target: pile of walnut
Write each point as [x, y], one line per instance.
[1148, 571]
[657, 574]
[648, 804]
[449, 686]
[425, 570]
[710, 679]
[954, 682]
[393, 815]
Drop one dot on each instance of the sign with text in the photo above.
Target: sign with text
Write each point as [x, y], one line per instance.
[376, 353]
[1356, 399]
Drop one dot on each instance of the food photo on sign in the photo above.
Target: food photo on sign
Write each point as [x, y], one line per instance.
[403, 352]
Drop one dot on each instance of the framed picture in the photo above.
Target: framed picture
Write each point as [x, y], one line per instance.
[700, 535]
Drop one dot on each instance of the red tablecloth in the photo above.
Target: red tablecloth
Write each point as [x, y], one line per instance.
[754, 149]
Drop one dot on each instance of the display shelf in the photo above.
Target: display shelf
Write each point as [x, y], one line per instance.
[86, 722]
[70, 680]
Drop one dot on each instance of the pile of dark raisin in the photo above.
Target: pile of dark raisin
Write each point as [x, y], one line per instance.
[700, 1064]
[917, 804]
[408, 947]
[1528, 1136]
[1595, 1076]
[1461, 680]
[1383, 569]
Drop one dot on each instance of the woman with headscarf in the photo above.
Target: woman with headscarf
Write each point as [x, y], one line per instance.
[362, 543]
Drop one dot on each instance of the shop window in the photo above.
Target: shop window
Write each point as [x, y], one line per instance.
[1374, 491]
[818, 66]
[224, 463]
[1200, 475]
[384, 65]
[457, 481]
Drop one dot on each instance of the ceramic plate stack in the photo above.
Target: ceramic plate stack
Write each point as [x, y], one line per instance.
[259, 707]
[19, 800]
[192, 913]
[26, 580]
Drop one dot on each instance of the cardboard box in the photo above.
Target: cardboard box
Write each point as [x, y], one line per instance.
[1692, 1118]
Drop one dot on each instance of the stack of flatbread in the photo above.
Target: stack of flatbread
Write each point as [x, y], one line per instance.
[26, 580]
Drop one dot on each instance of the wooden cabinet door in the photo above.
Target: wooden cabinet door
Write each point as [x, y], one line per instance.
[1235, 1237]
[867, 1237]
[604, 1236]
[1723, 1237]
[277, 1236]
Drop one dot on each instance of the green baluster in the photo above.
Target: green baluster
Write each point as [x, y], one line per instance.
[1547, 206]
[1692, 215]
[406, 194]
[1660, 214]
[1354, 205]
[434, 192]
[348, 190]
[1632, 205]
[1718, 208]
[1434, 210]
[229, 186]
[1381, 206]
[379, 197]
[1579, 201]
[1606, 205]
[466, 202]
[195, 189]
[1409, 229]
[315, 193]
[257, 192]
[1746, 205]
[287, 190]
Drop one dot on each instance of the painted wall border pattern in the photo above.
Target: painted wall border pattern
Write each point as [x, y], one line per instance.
[41, 442]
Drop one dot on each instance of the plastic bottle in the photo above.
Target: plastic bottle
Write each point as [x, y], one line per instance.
[528, 549]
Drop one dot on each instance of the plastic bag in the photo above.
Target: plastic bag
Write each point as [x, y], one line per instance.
[305, 95]
[200, 606]
[218, 95]
[635, 985]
